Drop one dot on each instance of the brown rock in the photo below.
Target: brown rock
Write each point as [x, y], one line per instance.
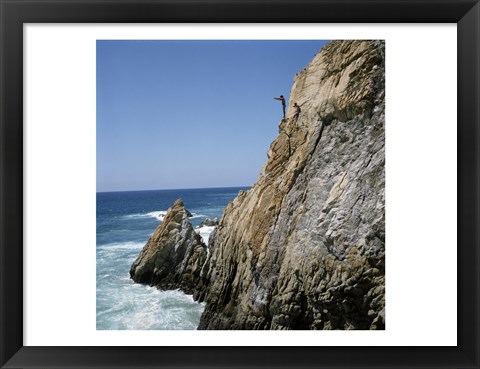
[174, 254]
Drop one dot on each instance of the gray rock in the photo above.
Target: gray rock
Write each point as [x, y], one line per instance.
[209, 222]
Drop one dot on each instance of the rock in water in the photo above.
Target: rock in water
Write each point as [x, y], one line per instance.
[305, 247]
[173, 256]
[209, 222]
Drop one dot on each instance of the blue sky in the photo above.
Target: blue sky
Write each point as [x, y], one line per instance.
[190, 114]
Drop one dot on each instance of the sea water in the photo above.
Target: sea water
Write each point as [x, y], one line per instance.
[125, 221]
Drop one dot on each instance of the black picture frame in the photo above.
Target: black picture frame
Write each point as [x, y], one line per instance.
[15, 13]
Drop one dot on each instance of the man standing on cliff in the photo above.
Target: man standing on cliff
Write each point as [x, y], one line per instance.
[282, 99]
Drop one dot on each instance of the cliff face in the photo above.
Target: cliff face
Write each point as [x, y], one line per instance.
[305, 247]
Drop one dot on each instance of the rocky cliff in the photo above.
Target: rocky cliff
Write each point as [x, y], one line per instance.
[305, 247]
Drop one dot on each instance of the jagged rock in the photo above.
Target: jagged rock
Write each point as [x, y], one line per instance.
[209, 222]
[305, 247]
[173, 256]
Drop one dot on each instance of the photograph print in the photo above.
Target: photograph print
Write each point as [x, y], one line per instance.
[240, 185]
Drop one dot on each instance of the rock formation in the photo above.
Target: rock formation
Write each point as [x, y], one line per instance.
[174, 254]
[304, 248]
[209, 222]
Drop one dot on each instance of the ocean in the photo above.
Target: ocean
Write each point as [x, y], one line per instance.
[125, 221]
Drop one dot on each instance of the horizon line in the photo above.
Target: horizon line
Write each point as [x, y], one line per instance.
[175, 189]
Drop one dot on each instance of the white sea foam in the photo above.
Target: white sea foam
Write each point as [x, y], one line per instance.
[142, 307]
[160, 214]
[134, 216]
[121, 246]
[204, 232]
[123, 304]
[157, 214]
